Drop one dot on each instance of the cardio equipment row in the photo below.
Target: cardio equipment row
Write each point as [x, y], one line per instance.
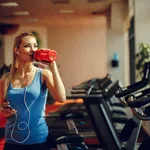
[104, 106]
[100, 86]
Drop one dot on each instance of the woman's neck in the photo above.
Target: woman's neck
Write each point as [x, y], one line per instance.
[24, 69]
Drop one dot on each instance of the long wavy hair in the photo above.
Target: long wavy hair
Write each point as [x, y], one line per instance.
[13, 68]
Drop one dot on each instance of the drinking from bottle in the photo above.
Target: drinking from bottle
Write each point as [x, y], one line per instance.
[45, 55]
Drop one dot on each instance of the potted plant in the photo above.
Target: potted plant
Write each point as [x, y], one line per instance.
[142, 57]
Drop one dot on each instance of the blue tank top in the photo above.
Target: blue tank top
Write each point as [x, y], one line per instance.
[28, 125]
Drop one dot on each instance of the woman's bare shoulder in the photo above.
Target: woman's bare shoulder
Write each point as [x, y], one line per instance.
[46, 73]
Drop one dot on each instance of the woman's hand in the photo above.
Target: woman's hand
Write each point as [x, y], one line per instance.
[7, 110]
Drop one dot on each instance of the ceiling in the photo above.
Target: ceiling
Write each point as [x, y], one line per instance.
[55, 12]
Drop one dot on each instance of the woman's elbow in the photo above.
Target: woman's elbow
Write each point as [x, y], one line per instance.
[62, 99]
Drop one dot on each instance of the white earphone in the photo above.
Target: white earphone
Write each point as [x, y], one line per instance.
[20, 123]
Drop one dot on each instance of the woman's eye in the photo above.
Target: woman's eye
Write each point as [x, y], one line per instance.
[29, 46]
[26, 46]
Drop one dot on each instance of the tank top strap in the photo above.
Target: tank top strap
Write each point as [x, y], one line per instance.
[39, 75]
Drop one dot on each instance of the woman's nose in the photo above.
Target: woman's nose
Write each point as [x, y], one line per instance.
[33, 49]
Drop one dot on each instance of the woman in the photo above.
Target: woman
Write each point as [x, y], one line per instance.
[23, 94]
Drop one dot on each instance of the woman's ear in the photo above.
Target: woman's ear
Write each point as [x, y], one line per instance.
[16, 51]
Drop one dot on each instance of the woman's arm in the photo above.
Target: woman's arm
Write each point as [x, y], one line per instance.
[53, 82]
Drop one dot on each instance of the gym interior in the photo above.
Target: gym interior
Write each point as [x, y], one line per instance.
[99, 45]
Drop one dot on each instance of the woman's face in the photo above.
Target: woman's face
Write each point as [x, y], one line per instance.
[26, 48]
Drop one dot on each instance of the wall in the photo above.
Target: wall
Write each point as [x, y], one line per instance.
[9, 39]
[84, 51]
[81, 51]
[142, 22]
[117, 42]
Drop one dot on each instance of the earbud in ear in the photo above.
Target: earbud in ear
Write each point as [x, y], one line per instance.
[17, 53]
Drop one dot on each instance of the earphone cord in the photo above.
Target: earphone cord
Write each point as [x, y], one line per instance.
[19, 124]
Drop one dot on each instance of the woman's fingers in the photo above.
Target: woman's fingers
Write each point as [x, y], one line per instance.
[7, 110]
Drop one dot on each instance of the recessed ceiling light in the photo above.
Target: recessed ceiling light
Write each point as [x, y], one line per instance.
[9, 4]
[66, 11]
[21, 13]
[33, 20]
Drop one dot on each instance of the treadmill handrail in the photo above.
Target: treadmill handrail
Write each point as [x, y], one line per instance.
[139, 94]
[111, 86]
[138, 102]
[90, 89]
[142, 93]
[136, 86]
[87, 84]
[83, 96]
[109, 92]
[84, 92]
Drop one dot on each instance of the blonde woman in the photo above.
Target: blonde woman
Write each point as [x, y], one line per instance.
[23, 93]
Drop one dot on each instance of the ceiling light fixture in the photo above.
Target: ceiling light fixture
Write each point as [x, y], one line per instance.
[33, 20]
[66, 11]
[9, 4]
[21, 13]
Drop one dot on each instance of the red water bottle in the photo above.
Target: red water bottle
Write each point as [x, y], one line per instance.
[45, 55]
